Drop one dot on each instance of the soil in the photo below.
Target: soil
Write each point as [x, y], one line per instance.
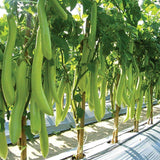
[67, 140]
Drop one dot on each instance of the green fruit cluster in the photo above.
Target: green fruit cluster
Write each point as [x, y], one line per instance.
[23, 83]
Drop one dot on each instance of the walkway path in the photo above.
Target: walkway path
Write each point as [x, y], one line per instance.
[68, 140]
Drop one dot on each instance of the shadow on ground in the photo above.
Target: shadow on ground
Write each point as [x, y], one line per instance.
[68, 139]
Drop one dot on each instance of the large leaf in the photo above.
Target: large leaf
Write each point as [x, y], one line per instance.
[28, 132]
[77, 97]
[73, 4]
[63, 45]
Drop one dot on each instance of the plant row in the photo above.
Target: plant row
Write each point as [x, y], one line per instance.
[110, 47]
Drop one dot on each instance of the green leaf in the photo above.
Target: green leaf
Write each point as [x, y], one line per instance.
[80, 112]
[78, 97]
[21, 18]
[91, 66]
[73, 4]
[86, 4]
[2, 121]
[28, 132]
[61, 43]
[1, 112]
[128, 56]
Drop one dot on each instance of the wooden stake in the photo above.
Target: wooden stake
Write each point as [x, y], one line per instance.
[150, 121]
[23, 141]
[80, 134]
[116, 123]
[116, 115]
[136, 125]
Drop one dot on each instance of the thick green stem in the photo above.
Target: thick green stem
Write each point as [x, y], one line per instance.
[111, 98]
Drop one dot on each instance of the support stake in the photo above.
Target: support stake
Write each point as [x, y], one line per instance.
[80, 134]
[23, 141]
[116, 123]
[150, 121]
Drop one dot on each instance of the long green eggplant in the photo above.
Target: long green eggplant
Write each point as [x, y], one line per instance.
[36, 79]
[44, 144]
[3, 140]
[45, 33]
[35, 117]
[120, 88]
[59, 10]
[21, 98]
[7, 84]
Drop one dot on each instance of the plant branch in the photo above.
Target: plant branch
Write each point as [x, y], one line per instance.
[78, 79]
[28, 43]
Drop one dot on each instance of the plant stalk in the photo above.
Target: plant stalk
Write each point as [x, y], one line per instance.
[116, 117]
[80, 134]
[116, 123]
[136, 124]
[150, 121]
[22, 139]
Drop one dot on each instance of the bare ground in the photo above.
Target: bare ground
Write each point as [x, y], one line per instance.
[68, 139]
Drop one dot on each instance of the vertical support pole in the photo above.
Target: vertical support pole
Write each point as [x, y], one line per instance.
[136, 124]
[150, 121]
[22, 140]
[116, 117]
[80, 135]
[116, 123]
